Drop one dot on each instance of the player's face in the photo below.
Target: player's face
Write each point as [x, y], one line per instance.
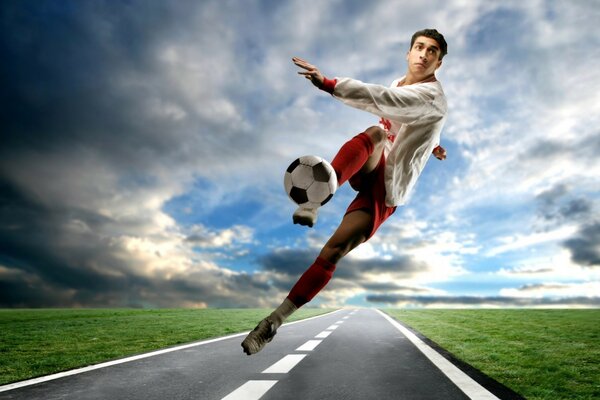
[424, 57]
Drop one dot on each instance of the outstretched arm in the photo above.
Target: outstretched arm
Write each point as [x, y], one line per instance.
[405, 104]
[310, 72]
[313, 74]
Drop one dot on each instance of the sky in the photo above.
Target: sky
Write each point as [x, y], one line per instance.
[144, 143]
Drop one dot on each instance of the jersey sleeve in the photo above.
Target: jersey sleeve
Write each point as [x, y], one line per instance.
[405, 104]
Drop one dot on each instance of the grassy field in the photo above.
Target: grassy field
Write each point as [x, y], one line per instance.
[541, 354]
[40, 342]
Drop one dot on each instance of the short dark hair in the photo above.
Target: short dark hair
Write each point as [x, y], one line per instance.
[432, 34]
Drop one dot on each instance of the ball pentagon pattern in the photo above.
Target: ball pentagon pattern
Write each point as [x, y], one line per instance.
[310, 181]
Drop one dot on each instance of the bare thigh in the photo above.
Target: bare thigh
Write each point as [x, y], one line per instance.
[352, 231]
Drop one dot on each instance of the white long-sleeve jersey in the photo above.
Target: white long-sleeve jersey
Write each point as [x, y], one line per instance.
[416, 115]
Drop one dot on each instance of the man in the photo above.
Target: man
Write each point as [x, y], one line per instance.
[382, 163]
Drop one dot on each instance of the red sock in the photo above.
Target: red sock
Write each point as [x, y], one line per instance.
[352, 156]
[311, 282]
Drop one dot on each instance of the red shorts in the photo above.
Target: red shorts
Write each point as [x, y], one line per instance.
[371, 196]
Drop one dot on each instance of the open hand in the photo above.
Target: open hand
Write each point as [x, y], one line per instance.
[439, 153]
[310, 72]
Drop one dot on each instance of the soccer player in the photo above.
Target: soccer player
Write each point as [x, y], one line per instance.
[382, 163]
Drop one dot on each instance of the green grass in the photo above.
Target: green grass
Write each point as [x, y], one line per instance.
[541, 354]
[40, 342]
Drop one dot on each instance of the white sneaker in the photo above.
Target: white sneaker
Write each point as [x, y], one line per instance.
[305, 216]
[259, 337]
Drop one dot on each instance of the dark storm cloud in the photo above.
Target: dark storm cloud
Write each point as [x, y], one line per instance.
[391, 287]
[214, 291]
[89, 133]
[401, 266]
[35, 239]
[570, 210]
[47, 262]
[500, 301]
[546, 286]
[63, 257]
[62, 62]
[81, 75]
[53, 262]
[44, 263]
[19, 288]
[289, 264]
[557, 206]
[288, 261]
[576, 208]
[549, 197]
[585, 246]
[295, 261]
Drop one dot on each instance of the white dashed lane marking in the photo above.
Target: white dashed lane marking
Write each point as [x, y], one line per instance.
[309, 346]
[284, 365]
[251, 390]
[323, 335]
[255, 389]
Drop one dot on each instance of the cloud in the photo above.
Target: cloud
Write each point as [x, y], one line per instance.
[554, 290]
[62, 256]
[143, 147]
[204, 237]
[288, 261]
[558, 205]
[519, 241]
[520, 127]
[585, 246]
[554, 265]
[386, 287]
[483, 301]
[374, 267]
[100, 138]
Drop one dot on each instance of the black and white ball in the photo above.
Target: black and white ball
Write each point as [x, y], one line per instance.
[310, 181]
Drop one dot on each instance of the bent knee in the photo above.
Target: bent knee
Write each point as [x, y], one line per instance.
[334, 252]
[376, 134]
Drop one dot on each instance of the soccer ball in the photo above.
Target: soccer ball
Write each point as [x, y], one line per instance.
[310, 181]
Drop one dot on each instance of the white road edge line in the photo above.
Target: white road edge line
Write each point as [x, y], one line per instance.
[251, 390]
[464, 382]
[284, 365]
[35, 381]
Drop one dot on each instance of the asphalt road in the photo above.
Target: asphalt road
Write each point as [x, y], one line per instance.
[349, 354]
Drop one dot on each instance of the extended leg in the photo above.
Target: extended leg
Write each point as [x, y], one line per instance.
[352, 231]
